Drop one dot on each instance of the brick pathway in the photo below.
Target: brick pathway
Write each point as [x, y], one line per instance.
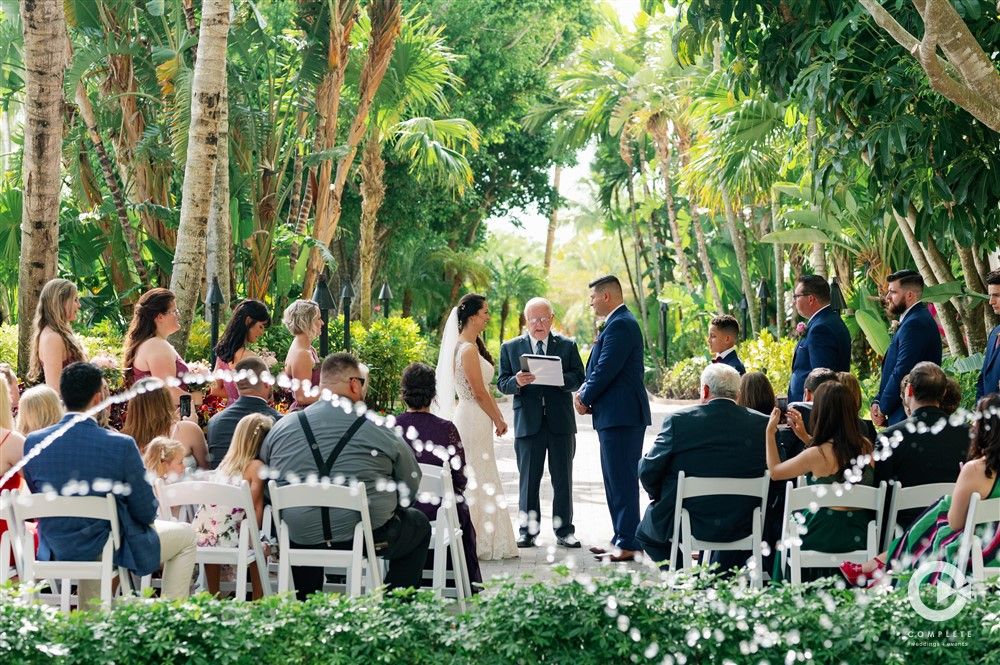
[591, 518]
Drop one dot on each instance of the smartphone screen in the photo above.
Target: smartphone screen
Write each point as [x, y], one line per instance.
[185, 406]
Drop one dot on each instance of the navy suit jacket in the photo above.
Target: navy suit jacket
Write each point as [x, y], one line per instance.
[222, 425]
[916, 340]
[88, 452]
[989, 378]
[614, 389]
[827, 343]
[733, 361]
[528, 399]
[719, 439]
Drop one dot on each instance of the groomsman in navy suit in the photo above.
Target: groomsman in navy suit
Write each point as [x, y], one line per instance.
[826, 342]
[989, 378]
[615, 394]
[917, 339]
[723, 332]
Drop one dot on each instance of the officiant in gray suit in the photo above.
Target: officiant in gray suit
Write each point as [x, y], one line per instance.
[544, 423]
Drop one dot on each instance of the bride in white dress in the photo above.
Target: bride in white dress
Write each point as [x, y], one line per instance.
[465, 368]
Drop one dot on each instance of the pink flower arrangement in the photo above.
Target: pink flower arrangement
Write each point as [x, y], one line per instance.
[800, 329]
[104, 361]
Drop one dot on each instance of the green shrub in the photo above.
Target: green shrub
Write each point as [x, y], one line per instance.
[199, 341]
[8, 344]
[619, 618]
[682, 381]
[388, 346]
[771, 356]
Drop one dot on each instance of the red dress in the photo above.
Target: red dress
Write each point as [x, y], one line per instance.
[12, 484]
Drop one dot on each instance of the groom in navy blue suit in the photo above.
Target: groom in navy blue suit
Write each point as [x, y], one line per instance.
[826, 342]
[615, 394]
[989, 378]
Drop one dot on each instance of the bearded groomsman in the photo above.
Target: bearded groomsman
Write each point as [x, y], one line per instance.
[544, 423]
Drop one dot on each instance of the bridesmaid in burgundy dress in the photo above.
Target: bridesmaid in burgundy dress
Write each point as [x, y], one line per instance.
[147, 351]
[250, 319]
[53, 344]
[433, 441]
[302, 318]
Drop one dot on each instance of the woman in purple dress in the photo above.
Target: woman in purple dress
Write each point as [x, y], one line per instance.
[250, 319]
[147, 350]
[435, 440]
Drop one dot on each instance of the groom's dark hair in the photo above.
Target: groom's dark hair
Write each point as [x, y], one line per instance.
[608, 282]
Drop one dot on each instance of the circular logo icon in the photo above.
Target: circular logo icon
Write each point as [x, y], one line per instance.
[949, 600]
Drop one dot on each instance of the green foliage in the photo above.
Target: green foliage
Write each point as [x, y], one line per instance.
[681, 381]
[771, 356]
[387, 347]
[8, 344]
[622, 617]
[966, 372]
[200, 342]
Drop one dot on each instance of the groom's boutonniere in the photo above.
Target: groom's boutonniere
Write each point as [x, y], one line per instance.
[893, 327]
[601, 325]
[800, 329]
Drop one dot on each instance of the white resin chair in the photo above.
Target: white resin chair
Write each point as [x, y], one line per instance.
[446, 534]
[908, 498]
[981, 511]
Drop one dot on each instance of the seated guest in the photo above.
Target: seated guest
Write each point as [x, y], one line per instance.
[254, 394]
[218, 526]
[152, 413]
[368, 453]
[81, 456]
[952, 397]
[837, 447]
[926, 447]
[435, 440]
[250, 319]
[11, 448]
[13, 387]
[935, 535]
[40, 407]
[717, 438]
[792, 438]
[164, 459]
[904, 383]
[756, 393]
[723, 332]
[854, 386]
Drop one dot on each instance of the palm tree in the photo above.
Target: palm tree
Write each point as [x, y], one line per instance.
[45, 67]
[202, 159]
[512, 282]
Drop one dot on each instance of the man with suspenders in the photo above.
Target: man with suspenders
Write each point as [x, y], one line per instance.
[326, 441]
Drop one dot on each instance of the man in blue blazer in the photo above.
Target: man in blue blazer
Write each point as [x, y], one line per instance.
[989, 378]
[615, 394]
[101, 459]
[723, 332]
[917, 339]
[544, 423]
[826, 342]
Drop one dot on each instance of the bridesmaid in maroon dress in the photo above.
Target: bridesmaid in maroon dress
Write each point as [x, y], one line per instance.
[302, 318]
[147, 351]
[433, 441]
[53, 344]
[250, 319]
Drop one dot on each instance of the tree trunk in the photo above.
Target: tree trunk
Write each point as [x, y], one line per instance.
[974, 283]
[386, 20]
[202, 158]
[44, 25]
[372, 196]
[550, 237]
[220, 229]
[640, 292]
[628, 270]
[504, 314]
[779, 273]
[684, 147]
[661, 140]
[742, 260]
[942, 272]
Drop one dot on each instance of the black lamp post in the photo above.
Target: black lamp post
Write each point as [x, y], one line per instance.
[385, 297]
[763, 294]
[745, 309]
[837, 303]
[346, 296]
[214, 300]
[323, 298]
[664, 337]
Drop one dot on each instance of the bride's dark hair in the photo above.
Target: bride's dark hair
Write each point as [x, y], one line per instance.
[469, 306]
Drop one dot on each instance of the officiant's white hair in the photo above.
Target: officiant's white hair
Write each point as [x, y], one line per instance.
[722, 380]
[538, 301]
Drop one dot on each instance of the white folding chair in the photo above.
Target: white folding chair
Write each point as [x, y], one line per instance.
[692, 488]
[446, 534]
[981, 511]
[39, 506]
[908, 498]
[816, 497]
[249, 550]
[10, 544]
[360, 558]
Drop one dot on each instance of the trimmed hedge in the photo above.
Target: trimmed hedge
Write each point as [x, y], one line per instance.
[620, 618]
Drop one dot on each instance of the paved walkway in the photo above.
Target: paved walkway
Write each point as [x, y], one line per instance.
[591, 517]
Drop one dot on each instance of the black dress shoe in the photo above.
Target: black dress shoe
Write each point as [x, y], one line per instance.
[570, 541]
[526, 541]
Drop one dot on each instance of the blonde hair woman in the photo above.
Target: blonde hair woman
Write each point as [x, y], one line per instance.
[217, 526]
[302, 318]
[53, 344]
[152, 414]
[40, 408]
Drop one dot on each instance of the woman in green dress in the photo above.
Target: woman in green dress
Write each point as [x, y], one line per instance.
[937, 533]
[840, 453]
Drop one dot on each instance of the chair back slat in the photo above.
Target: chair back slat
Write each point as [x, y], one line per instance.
[835, 495]
[319, 495]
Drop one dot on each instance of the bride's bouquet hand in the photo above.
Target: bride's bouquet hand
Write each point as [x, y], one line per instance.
[501, 428]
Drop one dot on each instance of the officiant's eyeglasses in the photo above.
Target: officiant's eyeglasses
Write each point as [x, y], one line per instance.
[540, 319]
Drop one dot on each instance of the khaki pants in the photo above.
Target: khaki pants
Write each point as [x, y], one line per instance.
[177, 554]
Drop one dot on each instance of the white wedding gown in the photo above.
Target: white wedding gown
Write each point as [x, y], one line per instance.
[484, 494]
